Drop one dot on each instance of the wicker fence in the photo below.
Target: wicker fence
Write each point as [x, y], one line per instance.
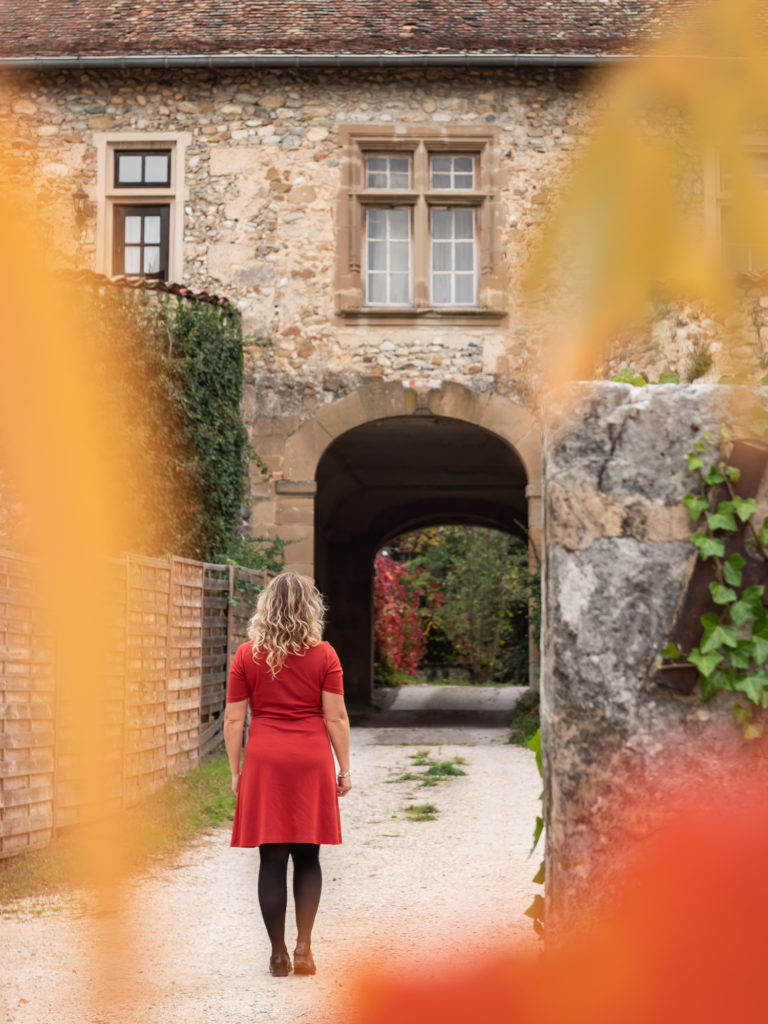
[175, 626]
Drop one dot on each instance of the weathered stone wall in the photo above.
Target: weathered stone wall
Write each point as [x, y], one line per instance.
[263, 175]
[617, 561]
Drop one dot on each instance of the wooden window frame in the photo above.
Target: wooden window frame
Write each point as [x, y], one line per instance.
[717, 197]
[123, 210]
[360, 141]
[143, 153]
[110, 195]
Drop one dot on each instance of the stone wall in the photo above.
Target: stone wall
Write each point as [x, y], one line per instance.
[617, 561]
[262, 177]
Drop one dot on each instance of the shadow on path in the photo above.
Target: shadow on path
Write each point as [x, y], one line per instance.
[441, 714]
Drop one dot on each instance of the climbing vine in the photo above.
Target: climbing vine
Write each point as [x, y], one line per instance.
[174, 369]
[732, 651]
[398, 634]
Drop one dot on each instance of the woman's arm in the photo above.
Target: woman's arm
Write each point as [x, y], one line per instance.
[234, 718]
[337, 724]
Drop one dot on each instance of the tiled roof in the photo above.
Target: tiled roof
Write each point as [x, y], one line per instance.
[133, 28]
[90, 277]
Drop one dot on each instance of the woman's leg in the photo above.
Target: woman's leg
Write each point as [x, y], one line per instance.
[273, 893]
[307, 886]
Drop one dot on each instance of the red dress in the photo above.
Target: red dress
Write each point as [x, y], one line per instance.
[287, 791]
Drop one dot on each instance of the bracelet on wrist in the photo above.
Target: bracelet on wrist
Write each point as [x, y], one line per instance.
[343, 775]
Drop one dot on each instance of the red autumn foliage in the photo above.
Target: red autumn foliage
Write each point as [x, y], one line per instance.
[398, 633]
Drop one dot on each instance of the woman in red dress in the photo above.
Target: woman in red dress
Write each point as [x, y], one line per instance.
[287, 789]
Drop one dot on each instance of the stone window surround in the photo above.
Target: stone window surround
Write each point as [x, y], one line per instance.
[359, 140]
[716, 197]
[108, 196]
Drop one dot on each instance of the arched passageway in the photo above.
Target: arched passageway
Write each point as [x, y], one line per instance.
[385, 477]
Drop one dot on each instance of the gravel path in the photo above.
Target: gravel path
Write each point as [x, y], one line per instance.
[405, 894]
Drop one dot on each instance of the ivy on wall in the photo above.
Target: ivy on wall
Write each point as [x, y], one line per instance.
[175, 369]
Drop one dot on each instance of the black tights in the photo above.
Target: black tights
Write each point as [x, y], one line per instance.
[273, 889]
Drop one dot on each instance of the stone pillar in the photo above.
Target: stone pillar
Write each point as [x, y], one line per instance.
[295, 522]
[617, 561]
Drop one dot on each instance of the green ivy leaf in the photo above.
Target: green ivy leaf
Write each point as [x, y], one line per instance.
[724, 432]
[707, 687]
[538, 829]
[763, 535]
[741, 612]
[705, 663]
[714, 476]
[719, 636]
[733, 474]
[732, 569]
[708, 546]
[710, 620]
[536, 909]
[744, 653]
[696, 504]
[754, 593]
[744, 507]
[694, 462]
[721, 594]
[723, 519]
[534, 744]
[540, 877]
[752, 685]
[669, 378]
[743, 715]
[671, 650]
[760, 643]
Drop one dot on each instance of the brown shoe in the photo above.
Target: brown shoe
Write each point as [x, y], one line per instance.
[280, 965]
[303, 961]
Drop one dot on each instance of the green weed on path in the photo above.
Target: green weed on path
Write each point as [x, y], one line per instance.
[421, 812]
[436, 771]
[160, 825]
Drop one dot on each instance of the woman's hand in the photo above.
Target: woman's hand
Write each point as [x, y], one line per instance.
[343, 784]
[235, 782]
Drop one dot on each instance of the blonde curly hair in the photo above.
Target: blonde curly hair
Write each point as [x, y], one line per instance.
[289, 617]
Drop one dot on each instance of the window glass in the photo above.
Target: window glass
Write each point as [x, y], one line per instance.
[134, 169]
[132, 259]
[128, 169]
[156, 168]
[452, 172]
[386, 171]
[388, 257]
[132, 229]
[151, 259]
[151, 230]
[453, 255]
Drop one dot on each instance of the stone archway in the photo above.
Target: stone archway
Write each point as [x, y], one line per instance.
[386, 459]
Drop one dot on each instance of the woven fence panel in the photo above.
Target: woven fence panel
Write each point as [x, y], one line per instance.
[27, 712]
[148, 588]
[215, 627]
[75, 798]
[172, 629]
[247, 585]
[185, 654]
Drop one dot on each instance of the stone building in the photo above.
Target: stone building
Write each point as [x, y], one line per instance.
[363, 181]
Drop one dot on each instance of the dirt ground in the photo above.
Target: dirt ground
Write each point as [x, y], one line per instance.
[186, 944]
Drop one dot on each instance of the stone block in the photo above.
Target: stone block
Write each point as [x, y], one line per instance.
[303, 451]
[233, 160]
[224, 257]
[457, 401]
[386, 398]
[508, 420]
[343, 415]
